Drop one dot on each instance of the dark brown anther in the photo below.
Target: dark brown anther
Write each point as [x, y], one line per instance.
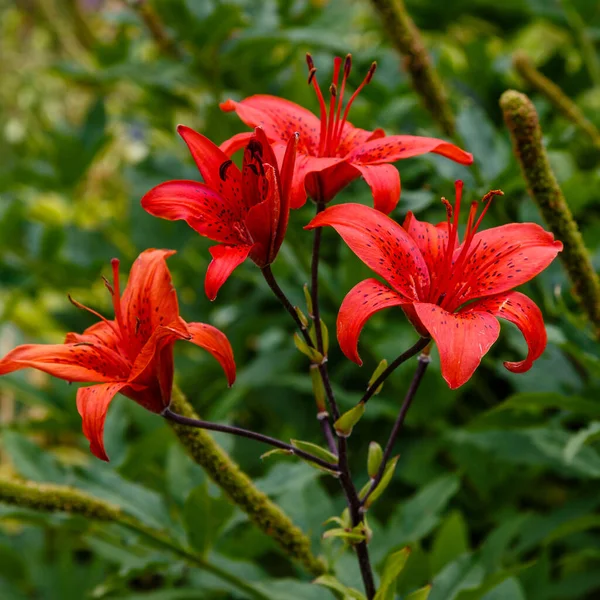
[347, 64]
[137, 325]
[333, 90]
[448, 207]
[490, 195]
[253, 168]
[255, 148]
[310, 62]
[223, 169]
[371, 72]
[84, 344]
[311, 75]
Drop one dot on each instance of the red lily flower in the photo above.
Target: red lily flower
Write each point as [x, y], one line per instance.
[247, 212]
[450, 291]
[332, 152]
[132, 354]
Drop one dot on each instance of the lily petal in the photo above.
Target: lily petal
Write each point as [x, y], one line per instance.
[149, 300]
[355, 137]
[381, 244]
[279, 118]
[431, 240]
[202, 208]
[210, 160]
[153, 366]
[360, 304]
[384, 181]
[397, 147]
[505, 257]
[103, 333]
[82, 361]
[525, 314]
[235, 143]
[462, 339]
[92, 405]
[214, 341]
[225, 260]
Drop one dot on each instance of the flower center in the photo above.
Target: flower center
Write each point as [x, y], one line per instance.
[453, 278]
[332, 119]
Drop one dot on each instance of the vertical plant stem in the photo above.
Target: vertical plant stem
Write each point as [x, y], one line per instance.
[261, 510]
[155, 26]
[406, 38]
[555, 95]
[522, 121]
[352, 499]
[424, 361]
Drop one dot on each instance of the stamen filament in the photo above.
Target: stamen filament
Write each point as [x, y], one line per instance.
[347, 69]
[312, 79]
[111, 324]
[116, 296]
[337, 62]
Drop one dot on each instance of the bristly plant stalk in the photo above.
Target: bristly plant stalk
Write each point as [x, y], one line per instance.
[556, 96]
[522, 121]
[261, 510]
[406, 38]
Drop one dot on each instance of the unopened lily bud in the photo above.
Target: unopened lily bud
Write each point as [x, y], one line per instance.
[374, 459]
[344, 425]
[381, 367]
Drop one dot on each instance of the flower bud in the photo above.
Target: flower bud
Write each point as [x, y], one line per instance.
[374, 459]
[344, 425]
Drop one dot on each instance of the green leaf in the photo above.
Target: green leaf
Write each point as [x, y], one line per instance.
[314, 355]
[394, 564]
[509, 589]
[420, 594]
[350, 536]
[465, 573]
[344, 425]
[451, 540]
[316, 450]
[581, 438]
[381, 367]
[204, 516]
[374, 459]
[329, 581]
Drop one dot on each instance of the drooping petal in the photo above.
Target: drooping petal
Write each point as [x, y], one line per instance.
[80, 361]
[153, 367]
[286, 177]
[225, 260]
[92, 405]
[525, 314]
[397, 147]
[360, 304]
[462, 339]
[332, 179]
[235, 143]
[217, 170]
[384, 181]
[503, 258]
[201, 207]
[431, 240]
[280, 119]
[214, 341]
[149, 300]
[381, 244]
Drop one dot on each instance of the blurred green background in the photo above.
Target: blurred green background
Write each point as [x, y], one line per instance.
[497, 488]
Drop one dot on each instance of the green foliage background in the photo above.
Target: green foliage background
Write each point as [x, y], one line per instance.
[497, 488]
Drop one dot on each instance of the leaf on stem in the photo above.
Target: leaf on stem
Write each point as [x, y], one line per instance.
[374, 459]
[314, 355]
[329, 581]
[392, 569]
[344, 425]
[381, 367]
[382, 485]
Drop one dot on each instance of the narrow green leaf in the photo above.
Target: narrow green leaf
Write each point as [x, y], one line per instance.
[351, 536]
[314, 355]
[420, 594]
[315, 450]
[381, 367]
[344, 425]
[270, 453]
[374, 459]
[385, 481]
[329, 581]
[393, 567]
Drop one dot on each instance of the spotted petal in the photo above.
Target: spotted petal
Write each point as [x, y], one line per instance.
[360, 304]
[381, 244]
[462, 339]
[214, 341]
[384, 181]
[225, 260]
[431, 240]
[397, 147]
[525, 314]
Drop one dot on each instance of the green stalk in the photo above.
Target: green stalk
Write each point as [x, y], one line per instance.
[59, 498]
[406, 38]
[555, 95]
[261, 510]
[522, 121]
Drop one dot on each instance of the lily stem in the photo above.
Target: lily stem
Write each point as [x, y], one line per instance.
[352, 498]
[424, 361]
[253, 435]
[420, 345]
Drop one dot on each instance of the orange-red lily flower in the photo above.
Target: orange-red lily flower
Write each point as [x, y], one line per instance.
[247, 212]
[331, 151]
[132, 354]
[450, 291]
